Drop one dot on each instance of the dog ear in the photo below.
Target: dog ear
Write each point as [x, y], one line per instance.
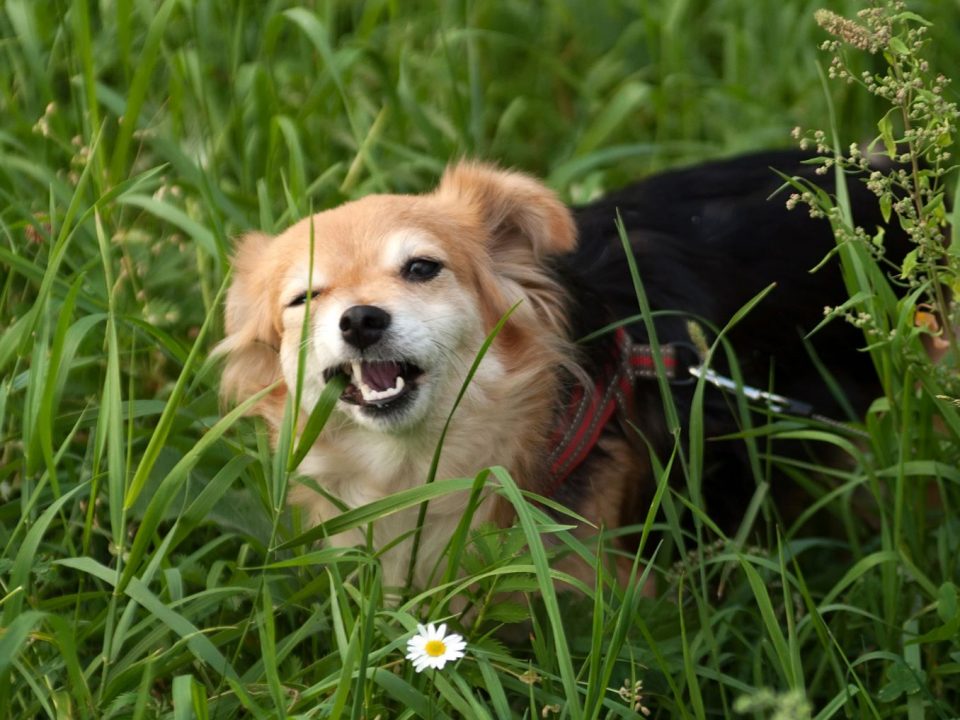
[252, 341]
[517, 210]
[523, 223]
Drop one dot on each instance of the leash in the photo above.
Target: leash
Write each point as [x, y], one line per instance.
[588, 409]
[775, 403]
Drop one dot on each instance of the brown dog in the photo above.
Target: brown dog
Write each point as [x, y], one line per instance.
[404, 290]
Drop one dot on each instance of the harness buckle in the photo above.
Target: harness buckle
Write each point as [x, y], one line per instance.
[677, 378]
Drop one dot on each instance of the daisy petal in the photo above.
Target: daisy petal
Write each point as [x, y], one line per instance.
[431, 647]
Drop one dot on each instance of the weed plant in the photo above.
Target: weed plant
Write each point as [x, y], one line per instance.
[148, 567]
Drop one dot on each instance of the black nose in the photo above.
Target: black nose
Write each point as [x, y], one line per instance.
[363, 325]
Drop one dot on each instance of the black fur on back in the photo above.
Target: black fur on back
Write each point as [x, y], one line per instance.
[706, 240]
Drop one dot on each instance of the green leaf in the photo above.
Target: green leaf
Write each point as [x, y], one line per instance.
[172, 483]
[140, 85]
[909, 263]
[538, 554]
[178, 218]
[886, 208]
[494, 687]
[907, 15]
[898, 46]
[947, 601]
[405, 694]
[507, 612]
[901, 680]
[213, 491]
[379, 508]
[625, 103]
[841, 700]
[945, 632]
[199, 644]
[165, 424]
[318, 418]
[770, 621]
[183, 697]
[13, 637]
[885, 125]
[26, 554]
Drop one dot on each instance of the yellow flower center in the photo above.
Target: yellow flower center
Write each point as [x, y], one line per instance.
[434, 648]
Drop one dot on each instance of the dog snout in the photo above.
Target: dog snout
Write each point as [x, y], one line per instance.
[363, 325]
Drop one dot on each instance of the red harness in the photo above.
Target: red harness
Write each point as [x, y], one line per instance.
[588, 410]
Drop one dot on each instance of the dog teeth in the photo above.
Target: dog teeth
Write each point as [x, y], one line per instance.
[371, 395]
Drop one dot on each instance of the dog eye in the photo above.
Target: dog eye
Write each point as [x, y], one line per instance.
[421, 269]
[301, 299]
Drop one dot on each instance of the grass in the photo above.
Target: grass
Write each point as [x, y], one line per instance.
[147, 567]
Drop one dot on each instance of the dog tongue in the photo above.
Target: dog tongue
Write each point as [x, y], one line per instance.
[380, 375]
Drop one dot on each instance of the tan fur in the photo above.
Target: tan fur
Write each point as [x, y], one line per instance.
[492, 231]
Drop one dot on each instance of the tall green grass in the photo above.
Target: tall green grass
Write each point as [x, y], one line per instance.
[147, 567]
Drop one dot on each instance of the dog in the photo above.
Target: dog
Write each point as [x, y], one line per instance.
[400, 293]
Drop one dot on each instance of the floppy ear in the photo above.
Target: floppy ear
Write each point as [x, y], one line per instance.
[252, 341]
[523, 222]
[517, 210]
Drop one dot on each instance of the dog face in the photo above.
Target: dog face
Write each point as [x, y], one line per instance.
[397, 293]
[387, 304]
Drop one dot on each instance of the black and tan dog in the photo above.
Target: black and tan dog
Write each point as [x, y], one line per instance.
[404, 290]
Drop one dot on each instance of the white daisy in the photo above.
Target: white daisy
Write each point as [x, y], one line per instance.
[431, 647]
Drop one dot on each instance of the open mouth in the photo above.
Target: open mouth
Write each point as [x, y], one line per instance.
[376, 384]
